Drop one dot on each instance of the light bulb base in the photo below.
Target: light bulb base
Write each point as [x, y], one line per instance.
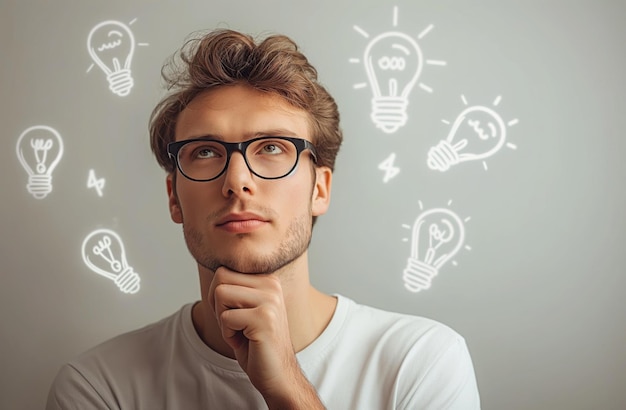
[128, 281]
[442, 156]
[39, 186]
[418, 275]
[120, 82]
[389, 113]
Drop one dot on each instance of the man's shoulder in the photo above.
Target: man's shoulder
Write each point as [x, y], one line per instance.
[415, 359]
[95, 378]
[142, 345]
[382, 320]
[398, 332]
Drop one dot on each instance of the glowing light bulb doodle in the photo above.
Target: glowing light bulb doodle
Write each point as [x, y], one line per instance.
[39, 150]
[437, 236]
[111, 45]
[477, 133]
[103, 252]
[393, 63]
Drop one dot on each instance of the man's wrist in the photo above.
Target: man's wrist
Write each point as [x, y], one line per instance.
[295, 394]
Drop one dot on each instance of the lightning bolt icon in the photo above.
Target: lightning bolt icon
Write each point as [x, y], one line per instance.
[390, 170]
[96, 183]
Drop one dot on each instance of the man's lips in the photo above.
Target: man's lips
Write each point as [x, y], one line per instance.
[241, 222]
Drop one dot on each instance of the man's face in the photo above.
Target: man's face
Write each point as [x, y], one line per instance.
[239, 220]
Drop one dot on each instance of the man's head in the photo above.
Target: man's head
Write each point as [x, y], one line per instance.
[228, 91]
[274, 65]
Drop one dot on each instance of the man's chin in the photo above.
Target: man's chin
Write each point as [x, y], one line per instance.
[245, 270]
[247, 267]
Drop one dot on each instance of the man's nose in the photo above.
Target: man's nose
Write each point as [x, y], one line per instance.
[238, 179]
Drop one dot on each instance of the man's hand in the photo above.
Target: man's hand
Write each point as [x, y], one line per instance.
[252, 316]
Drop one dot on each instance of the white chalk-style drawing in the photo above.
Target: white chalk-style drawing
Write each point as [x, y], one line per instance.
[388, 166]
[476, 134]
[39, 150]
[438, 234]
[95, 183]
[103, 252]
[111, 45]
[393, 63]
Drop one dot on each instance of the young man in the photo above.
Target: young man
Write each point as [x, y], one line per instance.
[248, 139]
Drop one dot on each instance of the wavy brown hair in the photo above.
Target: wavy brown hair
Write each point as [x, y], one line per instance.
[273, 65]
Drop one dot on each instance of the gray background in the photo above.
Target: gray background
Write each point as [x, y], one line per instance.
[539, 295]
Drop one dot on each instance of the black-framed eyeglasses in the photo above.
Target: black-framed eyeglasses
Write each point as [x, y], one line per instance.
[205, 159]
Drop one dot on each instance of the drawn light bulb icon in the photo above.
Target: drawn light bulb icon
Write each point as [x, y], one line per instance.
[39, 150]
[437, 235]
[111, 46]
[103, 252]
[393, 63]
[477, 133]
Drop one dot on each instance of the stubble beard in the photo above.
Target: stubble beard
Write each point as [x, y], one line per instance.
[295, 243]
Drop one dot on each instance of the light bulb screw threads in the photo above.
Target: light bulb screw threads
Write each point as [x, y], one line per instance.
[418, 275]
[389, 113]
[128, 281]
[442, 156]
[39, 185]
[120, 82]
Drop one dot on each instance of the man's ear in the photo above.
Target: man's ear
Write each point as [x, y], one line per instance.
[175, 212]
[321, 191]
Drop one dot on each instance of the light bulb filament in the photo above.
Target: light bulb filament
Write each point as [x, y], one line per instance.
[43, 146]
[439, 261]
[460, 145]
[475, 125]
[440, 234]
[112, 44]
[430, 255]
[105, 244]
[393, 63]
[393, 87]
[116, 65]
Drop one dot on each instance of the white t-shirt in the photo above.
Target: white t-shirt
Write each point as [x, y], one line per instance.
[366, 358]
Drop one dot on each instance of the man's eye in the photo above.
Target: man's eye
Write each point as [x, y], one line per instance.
[205, 152]
[272, 149]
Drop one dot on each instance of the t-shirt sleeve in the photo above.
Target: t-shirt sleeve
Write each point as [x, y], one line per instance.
[72, 391]
[448, 382]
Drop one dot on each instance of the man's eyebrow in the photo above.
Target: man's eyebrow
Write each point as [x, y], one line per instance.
[207, 137]
[273, 132]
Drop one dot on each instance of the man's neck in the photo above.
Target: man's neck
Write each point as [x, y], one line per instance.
[308, 310]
